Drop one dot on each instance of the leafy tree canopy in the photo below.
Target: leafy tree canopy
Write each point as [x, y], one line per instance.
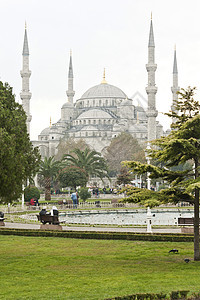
[67, 146]
[124, 177]
[90, 161]
[19, 161]
[49, 168]
[123, 147]
[72, 176]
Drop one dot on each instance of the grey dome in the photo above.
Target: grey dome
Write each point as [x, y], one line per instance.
[45, 131]
[104, 90]
[68, 105]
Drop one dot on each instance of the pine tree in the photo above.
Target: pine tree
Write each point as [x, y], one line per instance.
[180, 146]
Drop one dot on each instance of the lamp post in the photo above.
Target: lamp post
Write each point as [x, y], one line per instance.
[148, 162]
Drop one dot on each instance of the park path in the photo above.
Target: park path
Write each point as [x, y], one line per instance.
[97, 229]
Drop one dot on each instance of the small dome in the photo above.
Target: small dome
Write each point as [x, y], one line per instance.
[68, 105]
[45, 131]
[104, 90]
[140, 108]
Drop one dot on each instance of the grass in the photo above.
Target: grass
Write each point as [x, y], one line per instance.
[58, 268]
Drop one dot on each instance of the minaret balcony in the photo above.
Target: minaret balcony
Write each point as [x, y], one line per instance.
[151, 67]
[151, 113]
[151, 89]
[25, 73]
[25, 95]
[70, 93]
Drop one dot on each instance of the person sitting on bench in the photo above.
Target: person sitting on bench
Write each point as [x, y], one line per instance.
[54, 211]
[43, 212]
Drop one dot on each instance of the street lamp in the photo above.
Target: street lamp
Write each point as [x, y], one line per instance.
[148, 162]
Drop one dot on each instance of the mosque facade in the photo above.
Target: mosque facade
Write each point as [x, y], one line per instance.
[103, 112]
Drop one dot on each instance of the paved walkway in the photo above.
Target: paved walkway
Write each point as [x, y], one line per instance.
[105, 229]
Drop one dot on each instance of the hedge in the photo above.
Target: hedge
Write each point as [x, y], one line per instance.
[173, 295]
[98, 235]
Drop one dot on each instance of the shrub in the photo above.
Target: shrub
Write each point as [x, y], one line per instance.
[84, 194]
[31, 192]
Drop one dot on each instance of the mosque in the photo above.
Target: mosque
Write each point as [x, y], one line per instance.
[103, 112]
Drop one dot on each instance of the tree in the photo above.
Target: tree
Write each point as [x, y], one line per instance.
[84, 194]
[72, 176]
[49, 168]
[19, 161]
[31, 192]
[122, 147]
[90, 161]
[124, 177]
[66, 146]
[180, 146]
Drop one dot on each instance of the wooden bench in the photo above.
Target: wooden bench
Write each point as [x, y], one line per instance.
[48, 219]
[185, 221]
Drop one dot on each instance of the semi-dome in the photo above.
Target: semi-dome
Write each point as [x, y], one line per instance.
[104, 90]
[94, 114]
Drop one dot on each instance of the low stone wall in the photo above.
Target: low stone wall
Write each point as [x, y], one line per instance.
[50, 227]
[187, 229]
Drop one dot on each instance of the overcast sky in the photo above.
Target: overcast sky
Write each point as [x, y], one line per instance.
[111, 34]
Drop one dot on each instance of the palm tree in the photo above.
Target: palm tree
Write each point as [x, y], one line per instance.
[90, 161]
[49, 168]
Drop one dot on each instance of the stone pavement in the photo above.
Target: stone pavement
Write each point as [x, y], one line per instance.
[93, 228]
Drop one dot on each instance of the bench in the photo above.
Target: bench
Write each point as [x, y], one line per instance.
[185, 221]
[48, 219]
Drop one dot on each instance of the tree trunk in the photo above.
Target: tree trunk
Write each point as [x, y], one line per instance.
[48, 188]
[196, 217]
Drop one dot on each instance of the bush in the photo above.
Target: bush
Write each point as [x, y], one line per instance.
[84, 194]
[31, 192]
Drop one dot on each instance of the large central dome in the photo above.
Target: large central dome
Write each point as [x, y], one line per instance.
[104, 90]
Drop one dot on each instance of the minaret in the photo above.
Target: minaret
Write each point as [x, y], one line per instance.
[151, 88]
[70, 92]
[175, 88]
[25, 94]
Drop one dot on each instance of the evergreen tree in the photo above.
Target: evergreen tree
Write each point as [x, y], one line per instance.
[19, 161]
[180, 146]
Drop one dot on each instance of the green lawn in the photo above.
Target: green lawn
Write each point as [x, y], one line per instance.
[58, 268]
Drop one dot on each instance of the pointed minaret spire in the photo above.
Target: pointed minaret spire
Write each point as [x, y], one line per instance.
[175, 88]
[175, 69]
[151, 88]
[70, 92]
[151, 36]
[25, 94]
[25, 47]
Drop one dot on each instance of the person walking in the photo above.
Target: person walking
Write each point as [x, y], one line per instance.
[74, 199]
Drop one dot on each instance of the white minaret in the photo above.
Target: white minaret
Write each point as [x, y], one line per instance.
[151, 88]
[70, 92]
[25, 94]
[175, 88]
